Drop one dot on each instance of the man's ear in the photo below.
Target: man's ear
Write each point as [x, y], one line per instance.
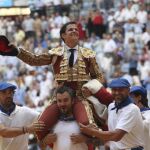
[140, 98]
[129, 90]
[63, 36]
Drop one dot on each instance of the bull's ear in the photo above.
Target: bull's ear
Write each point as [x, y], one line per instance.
[4, 44]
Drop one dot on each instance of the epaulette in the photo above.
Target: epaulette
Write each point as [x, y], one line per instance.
[87, 53]
[56, 51]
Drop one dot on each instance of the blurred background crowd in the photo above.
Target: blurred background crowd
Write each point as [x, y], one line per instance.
[117, 30]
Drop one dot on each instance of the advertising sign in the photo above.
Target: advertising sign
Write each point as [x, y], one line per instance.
[14, 11]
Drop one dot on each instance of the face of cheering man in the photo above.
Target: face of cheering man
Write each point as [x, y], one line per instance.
[120, 94]
[137, 99]
[6, 98]
[139, 96]
[70, 35]
[64, 102]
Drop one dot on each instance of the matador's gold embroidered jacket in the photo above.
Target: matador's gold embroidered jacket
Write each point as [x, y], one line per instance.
[84, 69]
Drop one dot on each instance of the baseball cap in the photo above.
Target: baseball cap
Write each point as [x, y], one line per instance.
[119, 83]
[138, 89]
[5, 85]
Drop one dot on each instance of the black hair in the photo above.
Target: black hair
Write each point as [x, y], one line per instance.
[64, 27]
[63, 89]
[143, 101]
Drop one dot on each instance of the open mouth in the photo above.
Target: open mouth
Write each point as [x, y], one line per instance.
[63, 110]
[74, 34]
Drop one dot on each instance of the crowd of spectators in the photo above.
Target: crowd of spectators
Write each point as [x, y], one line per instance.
[120, 36]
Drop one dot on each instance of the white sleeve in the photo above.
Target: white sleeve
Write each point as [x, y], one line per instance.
[32, 114]
[1, 124]
[128, 120]
[1, 121]
[147, 125]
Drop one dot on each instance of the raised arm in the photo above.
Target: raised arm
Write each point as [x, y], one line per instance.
[8, 49]
[33, 59]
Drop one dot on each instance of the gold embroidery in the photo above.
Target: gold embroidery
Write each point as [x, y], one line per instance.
[33, 59]
[97, 71]
[56, 51]
[89, 112]
[87, 53]
[77, 73]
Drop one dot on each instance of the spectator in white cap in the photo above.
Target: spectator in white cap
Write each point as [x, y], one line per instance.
[15, 121]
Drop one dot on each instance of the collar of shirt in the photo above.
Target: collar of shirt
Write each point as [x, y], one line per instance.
[144, 109]
[76, 47]
[122, 104]
[9, 111]
[75, 52]
[65, 117]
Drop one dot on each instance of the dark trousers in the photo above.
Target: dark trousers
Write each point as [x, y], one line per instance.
[138, 148]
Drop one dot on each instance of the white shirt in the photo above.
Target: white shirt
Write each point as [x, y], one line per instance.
[144, 69]
[28, 25]
[110, 46]
[130, 120]
[63, 130]
[55, 33]
[146, 115]
[145, 37]
[117, 16]
[58, 21]
[57, 2]
[20, 117]
[127, 14]
[75, 52]
[142, 16]
[65, 2]
[65, 19]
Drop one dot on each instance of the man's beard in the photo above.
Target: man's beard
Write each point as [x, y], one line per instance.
[9, 102]
[64, 111]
